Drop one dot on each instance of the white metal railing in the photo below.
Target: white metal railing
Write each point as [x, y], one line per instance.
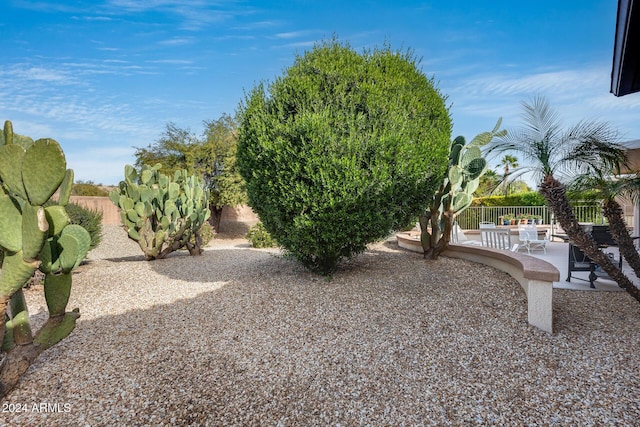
[471, 218]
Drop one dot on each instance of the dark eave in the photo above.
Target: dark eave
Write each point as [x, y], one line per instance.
[625, 75]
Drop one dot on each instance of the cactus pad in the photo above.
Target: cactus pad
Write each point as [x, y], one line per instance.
[57, 289]
[10, 224]
[57, 218]
[8, 132]
[146, 176]
[43, 159]
[475, 168]
[461, 201]
[11, 158]
[34, 230]
[130, 174]
[65, 188]
[15, 273]
[455, 175]
[470, 154]
[82, 238]
[69, 253]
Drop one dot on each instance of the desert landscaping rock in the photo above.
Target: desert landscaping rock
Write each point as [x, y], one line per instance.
[240, 336]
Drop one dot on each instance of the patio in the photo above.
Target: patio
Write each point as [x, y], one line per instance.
[558, 255]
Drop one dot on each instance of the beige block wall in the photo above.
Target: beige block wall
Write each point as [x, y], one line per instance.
[111, 213]
[238, 214]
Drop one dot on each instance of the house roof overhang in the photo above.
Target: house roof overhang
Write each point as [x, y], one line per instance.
[633, 156]
[625, 74]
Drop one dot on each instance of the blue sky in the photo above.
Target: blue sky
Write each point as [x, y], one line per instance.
[104, 76]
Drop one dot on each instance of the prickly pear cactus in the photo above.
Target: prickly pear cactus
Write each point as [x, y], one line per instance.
[34, 237]
[466, 166]
[161, 214]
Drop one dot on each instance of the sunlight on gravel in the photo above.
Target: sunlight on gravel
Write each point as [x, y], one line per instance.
[240, 336]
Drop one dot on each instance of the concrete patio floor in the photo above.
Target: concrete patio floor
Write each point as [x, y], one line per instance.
[558, 255]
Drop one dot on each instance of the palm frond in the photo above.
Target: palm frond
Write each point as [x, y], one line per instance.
[587, 182]
[589, 147]
[593, 146]
[541, 121]
[628, 187]
[515, 174]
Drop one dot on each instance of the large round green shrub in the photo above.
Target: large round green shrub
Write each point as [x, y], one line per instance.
[341, 150]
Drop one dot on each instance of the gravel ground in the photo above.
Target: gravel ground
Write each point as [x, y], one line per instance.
[247, 337]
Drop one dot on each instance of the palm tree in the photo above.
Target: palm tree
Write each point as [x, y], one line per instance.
[587, 148]
[508, 161]
[489, 183]
[608, 189]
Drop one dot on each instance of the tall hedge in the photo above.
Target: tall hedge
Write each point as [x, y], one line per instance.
[530, 198]
[342, 149]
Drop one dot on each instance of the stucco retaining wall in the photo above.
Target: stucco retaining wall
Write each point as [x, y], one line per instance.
[111, 214]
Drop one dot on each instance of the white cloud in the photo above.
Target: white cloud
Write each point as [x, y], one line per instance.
[556, 81]
[92, 18]
[300, 44]
[177, 41]
[258, 25]
[22, 72]
[193, 14]
[292, 34]
[171, 61]
[44, 6]
[577, 94]
[61, 104]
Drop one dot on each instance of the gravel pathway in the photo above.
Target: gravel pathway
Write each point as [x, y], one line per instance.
[247, 337]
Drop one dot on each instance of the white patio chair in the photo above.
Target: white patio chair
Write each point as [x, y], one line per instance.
[458, 237]
[497, 238]
[529, 239]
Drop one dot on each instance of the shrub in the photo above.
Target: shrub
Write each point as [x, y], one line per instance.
[88, 189]
[342, 150]
[531, 198]
[89, 219]
[259, 237]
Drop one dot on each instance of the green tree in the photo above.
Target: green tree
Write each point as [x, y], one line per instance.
[519, 186]
[174, 151]
[508, 162]
[211, 158]
[587, 148]
[341, 150]
[215, 159]
[489, 182]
